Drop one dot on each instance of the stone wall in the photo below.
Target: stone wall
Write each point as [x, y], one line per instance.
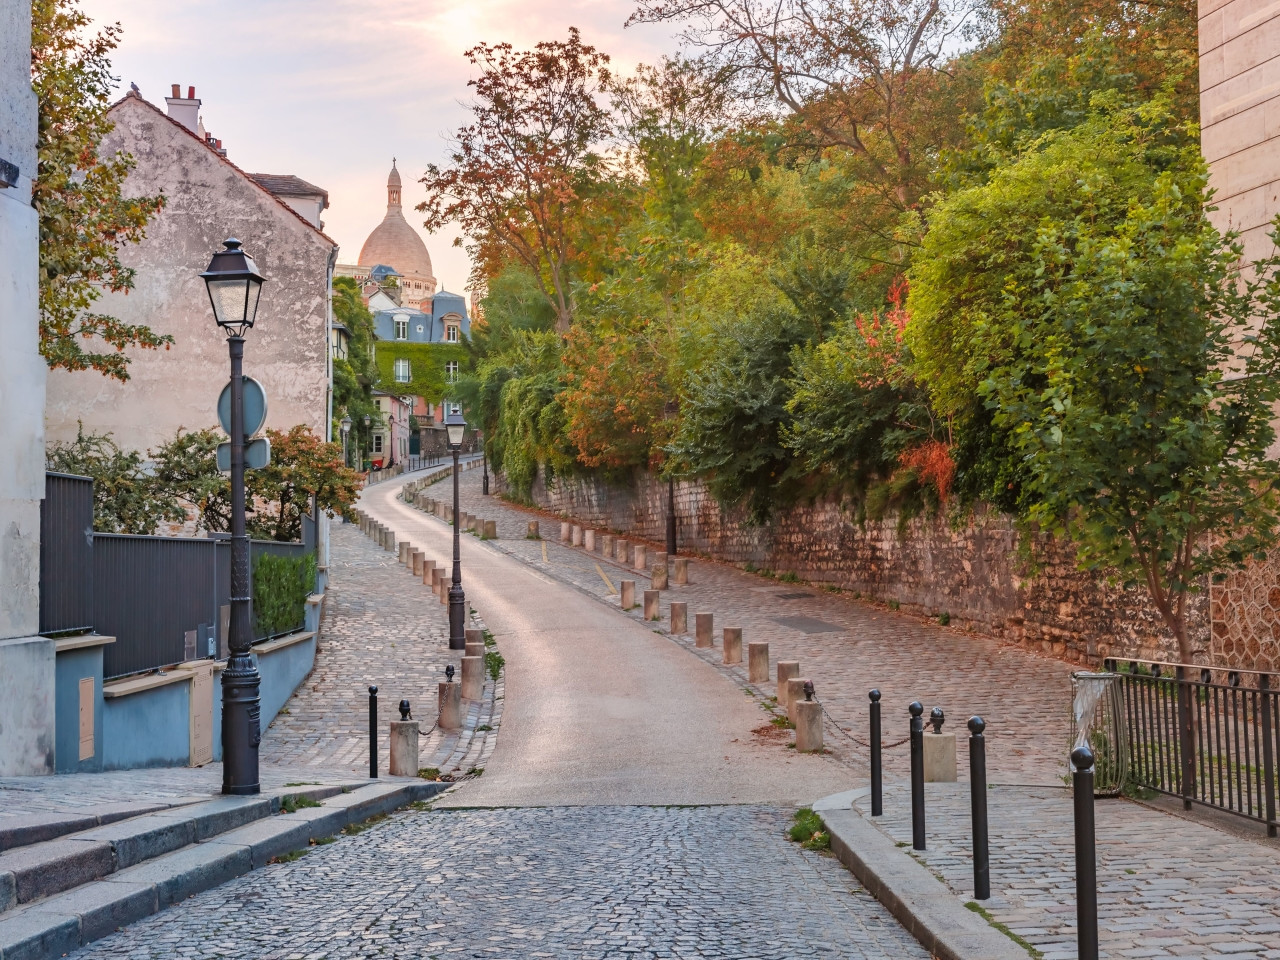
[974, 571]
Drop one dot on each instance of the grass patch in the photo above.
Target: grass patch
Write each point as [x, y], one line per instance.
[1020, 941]
[354, 829]
[494, 662]
[782, 723]
[303, 783]
[944, 618]
[323, 841]
[483, 728]
[489, 641]
[750, 567]
[894, 605]
[788, 577]
[429, 773]
[809, 831]
[475, 772]
[292, 803]
[289, 857]
[421, 806]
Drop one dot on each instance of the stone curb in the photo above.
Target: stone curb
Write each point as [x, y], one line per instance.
[57, 925]
[928, 910]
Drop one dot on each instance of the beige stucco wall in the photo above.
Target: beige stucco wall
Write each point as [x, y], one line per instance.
[208, 201]
[1240, 114]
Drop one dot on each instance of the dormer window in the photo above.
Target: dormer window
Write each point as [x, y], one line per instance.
[451, 333]
[402, 328]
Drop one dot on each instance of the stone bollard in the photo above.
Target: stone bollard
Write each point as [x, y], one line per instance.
[391, 541]
[427, 566]
[679, 617]
[641, 557]
[475, 649]
[732, 644]
[659, 558]
[786, 670]
[450, 706]
[659, 576]
[808, 721]
[589, 541]
[403, 548]
[606, 545]
[627, 593]
[758, 661]
[473, 635]
[533, 533]
[565, 531]
[575, 532]
[472, 678]
[795, 694]
[682, 571]
[490, 530]
[418, 560]
[651, 604]
[622, 551]
[404, 748]
[703, 624]
[939, 752]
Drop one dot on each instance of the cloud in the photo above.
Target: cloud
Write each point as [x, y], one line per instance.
[331, 90]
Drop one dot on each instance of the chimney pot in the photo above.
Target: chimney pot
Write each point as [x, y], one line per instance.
[177, 91]
[191, 93]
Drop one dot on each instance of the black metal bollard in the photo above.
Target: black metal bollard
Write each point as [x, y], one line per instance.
[978, 803]
[373, 733]
[1086, 855]
[917, 775]
[877, 778]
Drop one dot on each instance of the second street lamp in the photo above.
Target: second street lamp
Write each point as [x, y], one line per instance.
[346, 429]
[234, 286]
[456, 428]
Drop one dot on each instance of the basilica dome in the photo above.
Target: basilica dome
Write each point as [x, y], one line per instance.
[393, 242]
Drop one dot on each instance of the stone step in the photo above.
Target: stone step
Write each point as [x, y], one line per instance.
[26, 829]
[58, 923]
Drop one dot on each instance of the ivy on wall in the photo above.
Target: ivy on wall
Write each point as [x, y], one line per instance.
[426, 367]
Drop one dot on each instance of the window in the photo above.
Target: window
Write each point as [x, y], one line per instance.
[402, 328]
[377, 443]
[451, 372]
[455, 409]
[451, 333]
[402, 371]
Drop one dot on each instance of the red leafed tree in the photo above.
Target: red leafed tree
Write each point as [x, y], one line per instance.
[519, 170]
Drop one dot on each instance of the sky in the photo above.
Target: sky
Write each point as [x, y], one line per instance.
[331, 90]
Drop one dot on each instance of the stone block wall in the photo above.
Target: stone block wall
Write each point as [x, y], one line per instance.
[973, 571]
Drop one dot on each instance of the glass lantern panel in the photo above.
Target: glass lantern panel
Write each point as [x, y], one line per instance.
[229, 299]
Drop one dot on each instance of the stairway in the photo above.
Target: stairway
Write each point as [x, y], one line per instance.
[67, 880]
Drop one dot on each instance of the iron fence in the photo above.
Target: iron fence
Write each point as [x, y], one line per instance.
[66, 555]
[166, 600]
[1207, 736]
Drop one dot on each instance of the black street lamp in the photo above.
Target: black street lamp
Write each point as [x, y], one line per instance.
[484, 450]
[456, 428]
[234, 286]
[346, 429]
[367, 438]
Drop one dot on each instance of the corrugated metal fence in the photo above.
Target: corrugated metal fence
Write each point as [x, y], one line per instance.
[165, 599]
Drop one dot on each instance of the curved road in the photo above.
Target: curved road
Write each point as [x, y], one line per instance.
[627, 811]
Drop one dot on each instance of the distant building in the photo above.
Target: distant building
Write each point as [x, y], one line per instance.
[389, 443]
[209, 199]
[395, 243]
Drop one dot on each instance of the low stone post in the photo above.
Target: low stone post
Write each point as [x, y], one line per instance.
[808, 721]
[606, 545]
[659, 558]
[475, 649]
[490, 530]
[472, 677]
[532, 533]
[391, 541]
[679, 617]
[622, 551]
[786, 670]
[566, 531]
[651, 604]
[450, 706]
[428, 565]
[448, 514]
[641, 557]
[627, 593]
[703, 624]
[659, 576]
[589, 540]
[732, 644]
[403, 548]
[939, 751]
[795, 694]
[416, 558]
[758, 661]
[682, 571]
[404, 748]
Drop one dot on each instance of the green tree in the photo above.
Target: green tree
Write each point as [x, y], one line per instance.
[303, 468]
[186, 467]
[126, 497]
[355, 376]
[85, 217]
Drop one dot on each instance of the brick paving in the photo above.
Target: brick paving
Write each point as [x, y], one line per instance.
[845, 646]
[588, 883]
[1168, 887]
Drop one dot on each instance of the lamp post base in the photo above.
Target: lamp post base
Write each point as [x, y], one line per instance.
[241, 726]
[457, 618]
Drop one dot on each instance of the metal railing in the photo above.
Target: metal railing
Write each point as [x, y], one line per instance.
[1207, 736]
[66, 554]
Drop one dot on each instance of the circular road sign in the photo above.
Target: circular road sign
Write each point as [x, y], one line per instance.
[255, 407]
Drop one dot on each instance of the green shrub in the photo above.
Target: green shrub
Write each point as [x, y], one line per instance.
[281, 586]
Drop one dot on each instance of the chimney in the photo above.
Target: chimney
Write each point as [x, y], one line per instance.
[184, 110]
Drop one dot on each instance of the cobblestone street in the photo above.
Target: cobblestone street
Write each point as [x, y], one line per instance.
[580, 882]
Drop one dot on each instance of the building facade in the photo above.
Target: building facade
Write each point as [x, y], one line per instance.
[209, 199]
